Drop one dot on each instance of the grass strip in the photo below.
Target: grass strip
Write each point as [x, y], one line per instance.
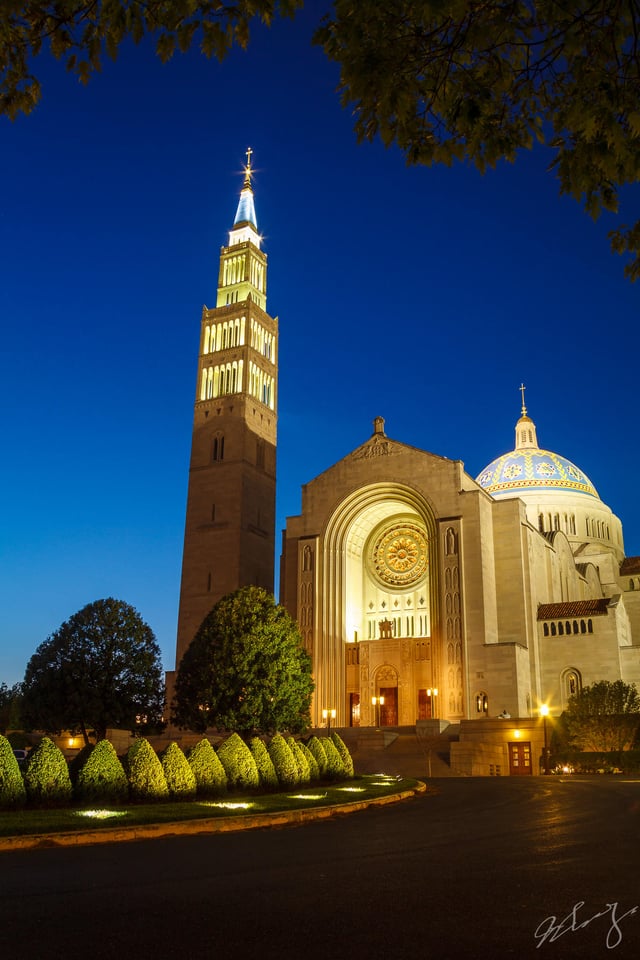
[28, 822]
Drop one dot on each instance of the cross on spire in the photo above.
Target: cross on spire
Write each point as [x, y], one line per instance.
[522, 390]
[248, 169]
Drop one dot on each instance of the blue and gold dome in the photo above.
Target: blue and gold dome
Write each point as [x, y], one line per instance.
[528, 468]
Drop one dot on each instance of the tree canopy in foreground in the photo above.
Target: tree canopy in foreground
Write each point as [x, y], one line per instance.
[604, 716]
[100, 669]
[245, 670]
[443, 79]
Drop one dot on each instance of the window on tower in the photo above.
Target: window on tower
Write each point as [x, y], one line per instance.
[218, 448]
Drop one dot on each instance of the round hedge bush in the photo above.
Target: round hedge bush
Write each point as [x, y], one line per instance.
[284, 762]
[12, 790]
[314, 769]
[304, 771]
[46, 776]
[144, 772]
[180, 778]
[345, 756]
[335, 767]
[238, 763]
[264, 763]
[208, 771]
[319, 755]
[101, 778]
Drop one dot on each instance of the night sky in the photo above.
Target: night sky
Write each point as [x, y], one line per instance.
[422, 295]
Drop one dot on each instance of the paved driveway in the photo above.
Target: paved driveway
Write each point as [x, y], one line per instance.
[475, 868]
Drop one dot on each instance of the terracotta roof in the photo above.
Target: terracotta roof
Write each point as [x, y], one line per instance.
[630, 565]
[573, 608]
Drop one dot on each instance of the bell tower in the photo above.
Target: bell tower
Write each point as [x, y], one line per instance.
[229, 539]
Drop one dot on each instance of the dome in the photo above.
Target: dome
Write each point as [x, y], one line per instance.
[529, 469]
[533, 470]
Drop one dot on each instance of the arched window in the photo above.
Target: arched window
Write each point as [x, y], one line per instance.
[589, 626]
[545, 629]
[482, 703]
[575, 627]
[218, 448]
[553, 629]
[560, 629]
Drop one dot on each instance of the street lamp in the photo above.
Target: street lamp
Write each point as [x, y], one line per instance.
[328, 716]
[377, 703]
[432, 693]
[544, 713]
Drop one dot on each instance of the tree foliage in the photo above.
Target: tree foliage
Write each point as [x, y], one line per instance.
[10, 706]
[246, 669]
[82, 32]
[100, 669]
[445, 80]
[604, 716]
[454, 80]
[264, 763]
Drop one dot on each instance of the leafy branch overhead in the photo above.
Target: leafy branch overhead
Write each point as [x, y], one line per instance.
[445, 80]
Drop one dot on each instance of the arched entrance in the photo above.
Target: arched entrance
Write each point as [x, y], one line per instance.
[386, 687]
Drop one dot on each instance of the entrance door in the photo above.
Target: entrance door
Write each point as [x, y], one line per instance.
[520, 758]
[354, 709]
[389, 709]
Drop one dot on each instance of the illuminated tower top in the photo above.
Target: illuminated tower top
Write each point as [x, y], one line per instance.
[243, 266]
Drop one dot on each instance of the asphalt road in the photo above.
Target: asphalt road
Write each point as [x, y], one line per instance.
[475, 868]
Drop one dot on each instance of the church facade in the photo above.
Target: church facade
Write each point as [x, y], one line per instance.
[423, 594]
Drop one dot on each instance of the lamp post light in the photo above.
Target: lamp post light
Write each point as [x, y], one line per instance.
[328, 716]
[377, 703]
[544, 713]
[432, 693]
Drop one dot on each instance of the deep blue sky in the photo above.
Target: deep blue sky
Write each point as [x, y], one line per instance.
[422, 295]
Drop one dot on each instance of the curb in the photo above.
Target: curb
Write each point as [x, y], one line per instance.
[184, 828]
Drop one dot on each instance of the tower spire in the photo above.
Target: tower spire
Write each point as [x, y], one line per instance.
[246, 212]
[522, 390]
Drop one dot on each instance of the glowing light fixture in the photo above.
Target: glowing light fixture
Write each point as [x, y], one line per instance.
[227, 805]
[100, 814]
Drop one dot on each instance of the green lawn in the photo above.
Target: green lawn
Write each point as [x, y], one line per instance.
[15, 823]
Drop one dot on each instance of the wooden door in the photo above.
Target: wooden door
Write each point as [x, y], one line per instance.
[389, 709]
[520, 758]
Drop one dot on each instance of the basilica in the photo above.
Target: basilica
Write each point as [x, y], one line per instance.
[422, 593]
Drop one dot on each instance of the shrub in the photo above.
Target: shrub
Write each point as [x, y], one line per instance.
[304, 771]
[144, 772]
[46, 776]
[101, 778]
[314, 769]
[264, 763]
[207, 769]
[12, 791]
[319, 755]
[180, 778]
[238, 763]
[345, 756]
[335, 767]
[284, 762]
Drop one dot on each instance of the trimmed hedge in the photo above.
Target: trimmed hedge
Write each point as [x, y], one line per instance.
[144, 772]
[46, 776]
[264, 763]
[319, 755]
[284, 761]
[304, 771]
[345, 756]
[335, 768]
[314, 769]
[101, 778]
[180, 778]
[208, 771]
[12, 789]
[238, 763]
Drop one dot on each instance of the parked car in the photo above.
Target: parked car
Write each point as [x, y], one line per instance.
[21, 756]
